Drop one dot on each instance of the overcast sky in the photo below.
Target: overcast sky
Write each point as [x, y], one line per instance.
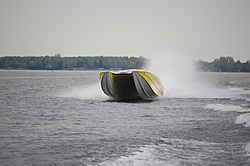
[198, 29]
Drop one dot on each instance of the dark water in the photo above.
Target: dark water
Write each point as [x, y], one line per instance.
[63, 118]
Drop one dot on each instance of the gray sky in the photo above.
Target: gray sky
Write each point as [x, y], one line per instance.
[198, 29]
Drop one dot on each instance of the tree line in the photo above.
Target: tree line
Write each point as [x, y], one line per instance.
[224, 64]
[57, 62]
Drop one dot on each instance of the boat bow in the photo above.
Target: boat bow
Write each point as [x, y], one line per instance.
[131, 85]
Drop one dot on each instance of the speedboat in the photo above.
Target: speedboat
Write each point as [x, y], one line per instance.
[131, 85]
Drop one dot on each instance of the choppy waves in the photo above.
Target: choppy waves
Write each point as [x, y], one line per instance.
[175, 152]
[243, 119]
[66, 120]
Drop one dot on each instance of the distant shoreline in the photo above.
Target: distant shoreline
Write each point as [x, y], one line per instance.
[102, 63]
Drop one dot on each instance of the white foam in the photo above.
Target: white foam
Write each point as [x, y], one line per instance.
[238, 90]
[244, 119]
[93, 92]
[225, 107]
[145, 156]
[171, 152]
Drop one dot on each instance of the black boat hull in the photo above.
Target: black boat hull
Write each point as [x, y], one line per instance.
[128, 86]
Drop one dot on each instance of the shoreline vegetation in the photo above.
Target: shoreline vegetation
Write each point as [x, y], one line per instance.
[223, 64]
[57, 62]
[71, 63]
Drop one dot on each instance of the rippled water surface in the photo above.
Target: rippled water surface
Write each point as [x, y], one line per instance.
[63, 118]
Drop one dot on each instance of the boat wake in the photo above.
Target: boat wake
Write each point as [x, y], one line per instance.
[243, 119]
[174, 152]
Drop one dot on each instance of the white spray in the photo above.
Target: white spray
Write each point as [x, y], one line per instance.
[93, 92]
[179, 77]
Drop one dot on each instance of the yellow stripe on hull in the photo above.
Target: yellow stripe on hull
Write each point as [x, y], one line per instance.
[154, 82]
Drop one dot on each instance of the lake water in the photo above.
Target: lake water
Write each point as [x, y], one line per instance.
[64, 118]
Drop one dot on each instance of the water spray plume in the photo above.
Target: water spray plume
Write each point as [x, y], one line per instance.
[179, 77]
[91, 92]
